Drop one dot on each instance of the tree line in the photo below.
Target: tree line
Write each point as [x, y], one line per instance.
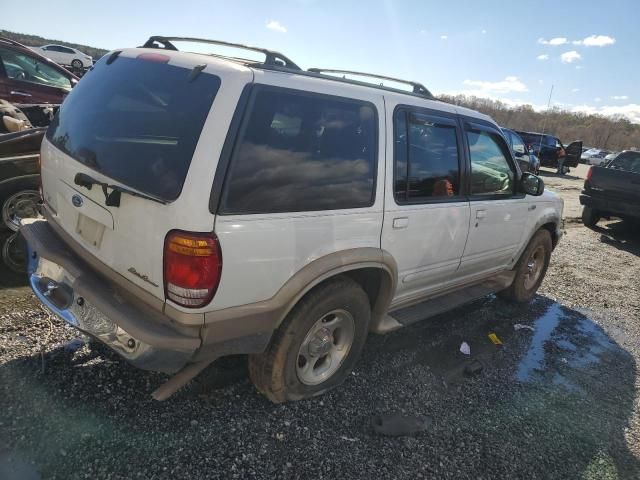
[598, 131]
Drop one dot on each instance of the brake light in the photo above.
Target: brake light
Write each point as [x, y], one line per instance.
[154, 57]
[192, 267]
[589, 173]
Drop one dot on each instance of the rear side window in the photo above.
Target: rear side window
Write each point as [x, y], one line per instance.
[302, 152]
[137, 122]
[425, 156]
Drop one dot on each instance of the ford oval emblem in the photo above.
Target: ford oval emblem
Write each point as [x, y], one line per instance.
[76, 200]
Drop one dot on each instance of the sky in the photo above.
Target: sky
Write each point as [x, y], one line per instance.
[510, 51]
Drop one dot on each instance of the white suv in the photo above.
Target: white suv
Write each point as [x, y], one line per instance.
[199, 206]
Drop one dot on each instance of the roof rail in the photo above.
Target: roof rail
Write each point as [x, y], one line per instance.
[418, 88]
[272, 58]
[12, 42]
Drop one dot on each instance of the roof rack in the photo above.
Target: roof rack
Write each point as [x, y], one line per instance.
[418, 88]
[272, 58]
[12, 42]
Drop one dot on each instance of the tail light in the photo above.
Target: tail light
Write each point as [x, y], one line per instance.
[192, 267]
[589, 173]
[40, 189]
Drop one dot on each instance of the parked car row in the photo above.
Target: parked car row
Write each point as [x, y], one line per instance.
[551, 151]
[339, 207]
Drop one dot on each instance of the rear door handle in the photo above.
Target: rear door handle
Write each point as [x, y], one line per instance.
[481, 214]
[401, 222]
[18, 92]
[532, 207]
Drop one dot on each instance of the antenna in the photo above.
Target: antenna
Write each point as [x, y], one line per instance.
[544, 119]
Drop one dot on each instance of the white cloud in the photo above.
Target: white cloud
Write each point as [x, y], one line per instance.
[597, 99]
[544, 56]
[554, 41]
[540, 82]
[423, 32]
[509, 84]
[575, 90]
[631, 111]
[596, 41]
[570, 57]
[579, 67]
[484, 31]
[620, 97]
[443, 37]
[276, 26]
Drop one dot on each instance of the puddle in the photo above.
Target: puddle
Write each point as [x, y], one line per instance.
[567, 348]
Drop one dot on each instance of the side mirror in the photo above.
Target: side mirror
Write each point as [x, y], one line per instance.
[531, 184]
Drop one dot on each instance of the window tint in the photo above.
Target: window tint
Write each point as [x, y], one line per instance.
[517, 145]
[491, 172]
[301, 152]
[137, 122]
[426, 157]
[22, 67]
[67, 50]
[628, 161]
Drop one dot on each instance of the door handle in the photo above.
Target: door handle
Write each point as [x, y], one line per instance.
[23, 94]
[532, 207]
[401, 222]
[481, 214]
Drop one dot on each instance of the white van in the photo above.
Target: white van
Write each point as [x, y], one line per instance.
[199, 206]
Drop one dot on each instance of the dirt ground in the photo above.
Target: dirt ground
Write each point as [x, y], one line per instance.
[557, 401]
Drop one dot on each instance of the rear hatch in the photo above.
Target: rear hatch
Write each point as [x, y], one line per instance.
[620, 180]
[140, 123]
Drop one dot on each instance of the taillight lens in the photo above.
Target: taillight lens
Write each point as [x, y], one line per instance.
[192, 267]
[590, 173]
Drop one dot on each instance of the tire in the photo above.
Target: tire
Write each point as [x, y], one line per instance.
[295, 366]
[14, 253]
[77, 64]
[20, 201]
[530, 269]
[590, 217]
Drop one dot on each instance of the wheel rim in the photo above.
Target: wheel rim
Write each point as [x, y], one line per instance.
[325, 347]
[14, 254]
[76, 64]
[534, 266]
[23, 204]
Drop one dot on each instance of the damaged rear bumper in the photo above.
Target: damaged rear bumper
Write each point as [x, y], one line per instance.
[82, 298]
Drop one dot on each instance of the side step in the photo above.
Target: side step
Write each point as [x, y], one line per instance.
[447, 301]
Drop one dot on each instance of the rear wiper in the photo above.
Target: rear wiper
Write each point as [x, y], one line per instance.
[111, 198]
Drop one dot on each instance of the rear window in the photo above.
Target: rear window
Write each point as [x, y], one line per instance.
[627, 161]
[137, 122]
[302, 152]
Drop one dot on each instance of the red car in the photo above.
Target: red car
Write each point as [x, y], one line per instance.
[28, 77]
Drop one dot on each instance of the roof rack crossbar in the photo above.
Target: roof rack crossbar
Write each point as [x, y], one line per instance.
[417, 88]
[272, 57]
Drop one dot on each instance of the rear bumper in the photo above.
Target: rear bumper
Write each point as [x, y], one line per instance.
[78, 295]
[610, 207]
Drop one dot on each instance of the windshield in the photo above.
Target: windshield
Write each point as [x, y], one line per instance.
[137, 122]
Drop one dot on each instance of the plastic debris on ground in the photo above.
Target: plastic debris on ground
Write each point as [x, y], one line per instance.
[465, 348]
[519, 326]
[494, 339]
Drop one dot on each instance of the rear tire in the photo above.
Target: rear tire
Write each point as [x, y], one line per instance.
[317, 345]
[20, 201]
[530, 269]
[77, 64]
[590, 217]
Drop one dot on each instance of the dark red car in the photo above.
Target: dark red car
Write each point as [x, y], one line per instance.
[28, 77]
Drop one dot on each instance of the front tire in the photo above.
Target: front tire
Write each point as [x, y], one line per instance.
[77, 64]
[317, 345]
[589, 217]
[530, 269]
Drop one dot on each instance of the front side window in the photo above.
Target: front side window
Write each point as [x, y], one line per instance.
[491, 172]
[425, 157]
[21, 67]
[302, 152]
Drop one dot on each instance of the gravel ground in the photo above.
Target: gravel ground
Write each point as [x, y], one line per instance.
[558, 402]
